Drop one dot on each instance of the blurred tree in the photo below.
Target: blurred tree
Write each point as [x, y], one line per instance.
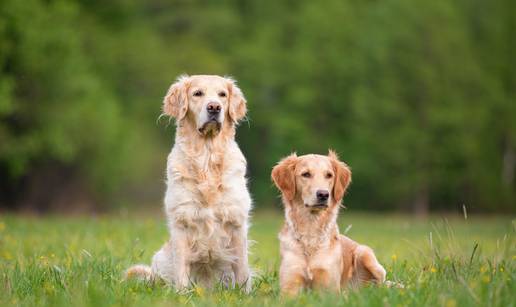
[492, 26]
[420, 95]
[61, 124]
[418, 99]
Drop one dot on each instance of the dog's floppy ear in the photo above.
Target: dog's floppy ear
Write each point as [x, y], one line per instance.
[175, 103]
[237, 102]
[284, 177]
[342, 176]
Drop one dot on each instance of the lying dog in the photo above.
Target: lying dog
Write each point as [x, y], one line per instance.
[313, 252]
[207, 203]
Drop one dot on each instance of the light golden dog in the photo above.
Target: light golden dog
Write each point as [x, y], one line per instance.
[207, 202]
[313, 252]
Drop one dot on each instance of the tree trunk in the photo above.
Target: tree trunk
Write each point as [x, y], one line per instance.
[421, 204]
[509, 165]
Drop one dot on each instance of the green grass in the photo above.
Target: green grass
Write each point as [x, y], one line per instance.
[80, 260]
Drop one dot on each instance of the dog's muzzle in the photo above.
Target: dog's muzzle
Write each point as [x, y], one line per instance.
[213, 123]
[317, 206]
[212, 126]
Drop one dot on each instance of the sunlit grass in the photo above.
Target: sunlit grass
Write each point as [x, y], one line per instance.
[442, 261]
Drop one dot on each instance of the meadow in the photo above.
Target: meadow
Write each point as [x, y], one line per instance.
[446, 260]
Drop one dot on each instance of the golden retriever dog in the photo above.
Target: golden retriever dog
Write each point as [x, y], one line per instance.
[207, 202]
[313, 252]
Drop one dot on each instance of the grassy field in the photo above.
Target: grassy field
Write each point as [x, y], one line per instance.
[442, 261]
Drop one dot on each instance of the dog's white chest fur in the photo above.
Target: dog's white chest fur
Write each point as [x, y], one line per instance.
[210, 233]
[207, 201]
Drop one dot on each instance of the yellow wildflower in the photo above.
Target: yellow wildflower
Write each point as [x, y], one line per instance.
[433, 269]
[486, 279]
[43, 260]
[49, 288]
[199, 291]
[265, 288]
[451, 303]
[394, 257]
[6, 255]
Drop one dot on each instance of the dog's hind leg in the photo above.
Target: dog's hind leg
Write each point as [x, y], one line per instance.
[367, 267]
[169, 263]
[162, 264]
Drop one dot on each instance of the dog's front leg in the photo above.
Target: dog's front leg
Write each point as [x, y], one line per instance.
[240, 266]
[292, 272]
[181, 263]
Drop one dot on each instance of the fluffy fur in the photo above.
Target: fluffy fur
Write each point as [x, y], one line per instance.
[207, 202]
[313, 252]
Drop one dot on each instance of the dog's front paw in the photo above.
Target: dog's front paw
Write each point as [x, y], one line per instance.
[393, 284]
[182, 284]
[228, 280]
[247, 285]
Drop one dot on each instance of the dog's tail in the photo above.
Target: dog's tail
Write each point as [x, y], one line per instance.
[139, 271]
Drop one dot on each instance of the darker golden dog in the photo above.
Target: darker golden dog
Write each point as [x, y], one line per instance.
[313, 252]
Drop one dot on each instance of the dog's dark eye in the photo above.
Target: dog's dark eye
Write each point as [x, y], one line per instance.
[198, 93]
[222, 94]
[306, 174]
[329, 175]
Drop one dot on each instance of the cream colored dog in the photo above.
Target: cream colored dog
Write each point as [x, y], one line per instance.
[207, 202]
[313, 252]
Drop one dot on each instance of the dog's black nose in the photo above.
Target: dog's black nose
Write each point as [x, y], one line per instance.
[213, 108]
[322, 195]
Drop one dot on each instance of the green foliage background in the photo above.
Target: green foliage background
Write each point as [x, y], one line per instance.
[418, 97]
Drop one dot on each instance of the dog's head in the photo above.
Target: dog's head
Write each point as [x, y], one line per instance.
[207, 102]
[314, 181]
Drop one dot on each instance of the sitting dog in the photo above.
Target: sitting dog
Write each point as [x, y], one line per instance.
[207, 202]
[313, 252]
